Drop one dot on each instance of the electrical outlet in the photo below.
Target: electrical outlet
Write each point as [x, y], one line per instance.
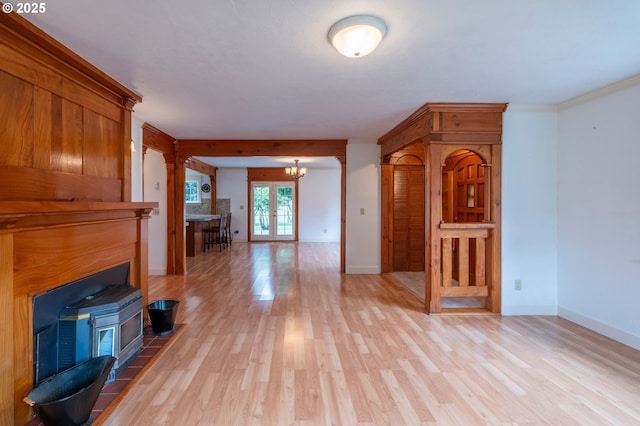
[517, 285]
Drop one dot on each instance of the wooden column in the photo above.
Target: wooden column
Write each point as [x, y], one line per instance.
[386, 219]
[214, 192]
[433, 215]
[178, 208]
[494, 278]
[170, 162]
[343, 212]
[141, 278]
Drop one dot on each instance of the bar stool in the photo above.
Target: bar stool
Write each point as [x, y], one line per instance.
[214, 234]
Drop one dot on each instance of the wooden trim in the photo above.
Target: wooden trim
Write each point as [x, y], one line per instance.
[464, 291]
[201, 167]
[27, 37]
[7, 344]
[429, 124]
[156, 139]
[470, 225]
[252, 147]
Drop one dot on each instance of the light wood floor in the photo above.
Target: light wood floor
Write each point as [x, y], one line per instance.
[274, 335]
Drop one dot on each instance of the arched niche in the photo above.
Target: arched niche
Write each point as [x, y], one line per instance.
[464, 189]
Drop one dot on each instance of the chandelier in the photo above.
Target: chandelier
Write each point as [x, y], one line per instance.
[295, 171]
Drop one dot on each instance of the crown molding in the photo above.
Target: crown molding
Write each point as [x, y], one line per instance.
[598, 93]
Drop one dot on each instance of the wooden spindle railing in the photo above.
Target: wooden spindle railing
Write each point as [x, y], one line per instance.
[466, 243]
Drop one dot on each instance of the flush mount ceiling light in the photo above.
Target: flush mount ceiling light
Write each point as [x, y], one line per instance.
[357, 36]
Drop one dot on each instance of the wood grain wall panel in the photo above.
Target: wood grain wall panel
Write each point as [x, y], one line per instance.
[42, 128]
[32, 249]
[53, 80]
[476, 122]
[44, 185]
[66, 147]
[38, 280]
[102, 153]
[16, 131]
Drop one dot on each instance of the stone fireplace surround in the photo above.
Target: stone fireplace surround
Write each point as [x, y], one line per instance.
[44, 245]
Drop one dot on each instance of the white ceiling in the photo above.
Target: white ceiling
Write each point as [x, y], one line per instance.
[263, 69]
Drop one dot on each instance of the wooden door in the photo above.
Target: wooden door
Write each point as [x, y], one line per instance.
[469, 190]
[408, 218]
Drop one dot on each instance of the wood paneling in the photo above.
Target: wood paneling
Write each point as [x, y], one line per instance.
[29, 184]
[16, 131]
[7, 344]
[60, 115]
[408, 218]
[101, 157]
[447, 123]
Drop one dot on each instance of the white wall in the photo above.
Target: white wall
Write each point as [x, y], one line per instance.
[363, 207]
[155, 189]
[599, 214]
[136, 160]
[319, 206]
[232, 184]
[319, 203]
[529, 211]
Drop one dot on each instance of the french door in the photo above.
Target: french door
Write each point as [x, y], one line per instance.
[273, 215]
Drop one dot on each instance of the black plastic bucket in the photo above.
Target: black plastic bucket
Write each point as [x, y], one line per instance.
[163, 315]
[67, 398]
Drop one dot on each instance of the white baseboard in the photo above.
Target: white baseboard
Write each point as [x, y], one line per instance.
[544, 310]
[362, 269]
[600, 327]
[158, 271]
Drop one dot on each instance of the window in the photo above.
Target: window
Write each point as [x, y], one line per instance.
[192, 191]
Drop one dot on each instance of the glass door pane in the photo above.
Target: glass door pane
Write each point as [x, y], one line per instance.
[284, 211]
[260, 211]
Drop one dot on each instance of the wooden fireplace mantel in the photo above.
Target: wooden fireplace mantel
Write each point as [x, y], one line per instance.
[44, 245]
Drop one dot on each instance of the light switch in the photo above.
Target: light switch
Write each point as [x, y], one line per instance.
[362, 211]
